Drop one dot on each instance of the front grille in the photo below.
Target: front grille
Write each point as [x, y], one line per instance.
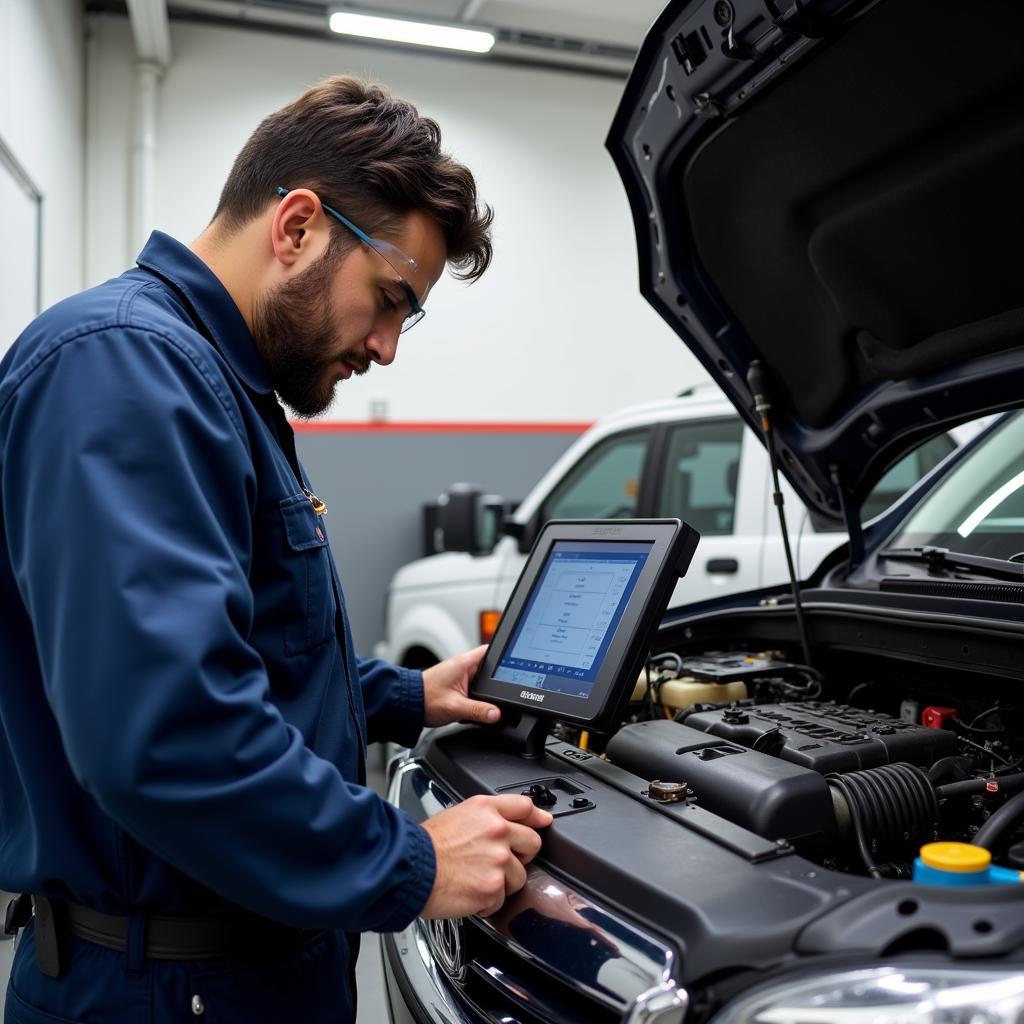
[502, 984]
[540, 960]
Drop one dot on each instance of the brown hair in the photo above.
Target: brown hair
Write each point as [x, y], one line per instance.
[368, 154]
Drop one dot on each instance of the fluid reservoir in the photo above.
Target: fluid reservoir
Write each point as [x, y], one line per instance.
[682, 692]
[960, 865]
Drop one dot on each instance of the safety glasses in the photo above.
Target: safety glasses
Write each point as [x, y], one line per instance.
[402, 266]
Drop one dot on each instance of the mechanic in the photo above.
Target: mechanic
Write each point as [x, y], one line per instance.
[184, 719]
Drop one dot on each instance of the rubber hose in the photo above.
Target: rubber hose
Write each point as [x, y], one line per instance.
[1001, 823]
[1006, 783]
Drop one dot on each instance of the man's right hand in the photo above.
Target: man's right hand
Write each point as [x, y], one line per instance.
[482, 847]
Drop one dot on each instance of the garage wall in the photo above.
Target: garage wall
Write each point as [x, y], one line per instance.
[375, 481]
[555, 331]
[41, 123]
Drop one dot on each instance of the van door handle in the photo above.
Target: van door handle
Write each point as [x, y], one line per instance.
[723, 565]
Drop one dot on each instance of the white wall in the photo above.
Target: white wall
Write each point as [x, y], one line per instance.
[41, 105]
[556, 330]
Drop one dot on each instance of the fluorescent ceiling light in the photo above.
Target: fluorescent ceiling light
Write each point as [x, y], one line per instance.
[398, 30]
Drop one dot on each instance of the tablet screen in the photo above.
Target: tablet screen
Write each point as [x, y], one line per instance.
[579, 622]
[562, 636]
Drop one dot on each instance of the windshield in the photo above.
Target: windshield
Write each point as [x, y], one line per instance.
[979, 508]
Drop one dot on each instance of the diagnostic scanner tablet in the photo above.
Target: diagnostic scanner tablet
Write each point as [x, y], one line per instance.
[576, 629]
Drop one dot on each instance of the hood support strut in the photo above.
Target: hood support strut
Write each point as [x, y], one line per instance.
[851, 516]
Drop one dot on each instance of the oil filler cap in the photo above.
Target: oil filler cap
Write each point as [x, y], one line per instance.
[668, 792]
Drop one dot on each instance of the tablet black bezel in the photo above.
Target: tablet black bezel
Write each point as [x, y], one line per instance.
[672, 546]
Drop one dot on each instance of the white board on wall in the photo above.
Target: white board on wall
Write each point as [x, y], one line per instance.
[19, 256]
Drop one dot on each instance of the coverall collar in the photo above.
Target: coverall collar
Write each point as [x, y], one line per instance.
[184, 270]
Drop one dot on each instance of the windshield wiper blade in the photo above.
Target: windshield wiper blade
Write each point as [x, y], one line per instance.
[943, 558]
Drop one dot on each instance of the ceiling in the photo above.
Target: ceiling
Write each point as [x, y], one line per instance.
[595, 36]
[609, 21]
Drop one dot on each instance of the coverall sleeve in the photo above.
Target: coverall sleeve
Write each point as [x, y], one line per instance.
[130, 537]
[393, 699]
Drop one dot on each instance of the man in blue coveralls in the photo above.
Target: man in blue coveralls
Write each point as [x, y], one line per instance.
[183, 720]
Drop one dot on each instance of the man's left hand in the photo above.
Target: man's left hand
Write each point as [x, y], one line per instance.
[446, 691]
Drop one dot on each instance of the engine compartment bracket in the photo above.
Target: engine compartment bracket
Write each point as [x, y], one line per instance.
[738, 840]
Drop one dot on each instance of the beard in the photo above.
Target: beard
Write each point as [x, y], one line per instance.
[295, 331]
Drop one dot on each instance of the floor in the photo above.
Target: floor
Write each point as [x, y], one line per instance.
[369, 973]
[7, 955]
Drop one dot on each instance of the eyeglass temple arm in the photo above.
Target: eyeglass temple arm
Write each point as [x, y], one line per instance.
[358, 232]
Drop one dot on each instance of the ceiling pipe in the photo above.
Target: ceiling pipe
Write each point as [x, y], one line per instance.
[142, 212]
[151, 30]
[152, 33]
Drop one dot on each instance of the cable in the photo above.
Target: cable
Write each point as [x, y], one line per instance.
[860, 686]
[1000, 823]
[988, 711]
[969, 786]
[757, 384]
[652, 693]
[984, 750]
[667, 656]
[973, 727]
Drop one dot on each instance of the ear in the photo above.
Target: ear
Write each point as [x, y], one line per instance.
[298, 227]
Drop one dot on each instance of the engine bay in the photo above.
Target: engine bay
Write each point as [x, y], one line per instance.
[855, 773]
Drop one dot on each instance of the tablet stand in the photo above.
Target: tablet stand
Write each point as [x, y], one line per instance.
[527, 734]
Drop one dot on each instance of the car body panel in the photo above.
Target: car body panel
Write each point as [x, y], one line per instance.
[742, 262]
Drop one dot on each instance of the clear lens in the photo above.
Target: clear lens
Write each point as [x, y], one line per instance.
[412, 319]
[887, 995]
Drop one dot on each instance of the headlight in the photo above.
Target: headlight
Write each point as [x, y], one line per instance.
[886, 995]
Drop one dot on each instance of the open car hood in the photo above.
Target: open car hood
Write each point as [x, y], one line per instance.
[836, 188]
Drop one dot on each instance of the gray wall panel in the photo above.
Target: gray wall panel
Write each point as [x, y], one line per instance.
[375, 483]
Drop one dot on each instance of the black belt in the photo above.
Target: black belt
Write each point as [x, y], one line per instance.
[166, 938]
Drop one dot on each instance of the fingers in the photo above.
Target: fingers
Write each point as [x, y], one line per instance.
[474, 657]
[481, 848]
[478, 711]
[524, 843]
[522, 809]
[515, 877]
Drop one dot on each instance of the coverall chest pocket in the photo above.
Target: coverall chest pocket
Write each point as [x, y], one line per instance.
[306, 564]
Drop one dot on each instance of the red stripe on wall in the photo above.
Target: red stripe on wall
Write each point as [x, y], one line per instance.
[304, 427]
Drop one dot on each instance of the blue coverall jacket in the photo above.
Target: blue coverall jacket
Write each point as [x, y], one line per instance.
[184, 719]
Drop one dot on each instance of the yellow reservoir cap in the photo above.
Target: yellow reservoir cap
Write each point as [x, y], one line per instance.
[960, 857]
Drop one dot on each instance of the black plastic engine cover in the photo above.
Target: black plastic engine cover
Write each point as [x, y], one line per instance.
[825, 736]
[773, 798]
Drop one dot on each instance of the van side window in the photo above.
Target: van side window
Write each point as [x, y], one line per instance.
[702, 466]
[604, 484]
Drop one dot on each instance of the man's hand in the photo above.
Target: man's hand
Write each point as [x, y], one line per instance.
[446, 689]
[482, 847]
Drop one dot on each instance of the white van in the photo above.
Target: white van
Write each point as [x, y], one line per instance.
[690, 458]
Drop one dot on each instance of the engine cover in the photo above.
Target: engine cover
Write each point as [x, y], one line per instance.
[825, 736]
[768, 796]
